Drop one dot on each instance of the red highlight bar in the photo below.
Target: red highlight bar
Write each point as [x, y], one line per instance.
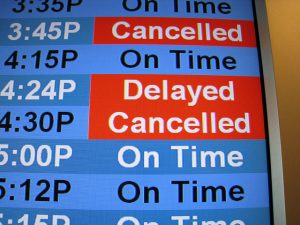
[171, 107]
[174, 31]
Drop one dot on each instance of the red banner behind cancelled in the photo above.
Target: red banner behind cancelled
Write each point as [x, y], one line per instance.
[174, 31]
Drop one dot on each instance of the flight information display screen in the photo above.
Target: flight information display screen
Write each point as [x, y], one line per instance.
[132, 112]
